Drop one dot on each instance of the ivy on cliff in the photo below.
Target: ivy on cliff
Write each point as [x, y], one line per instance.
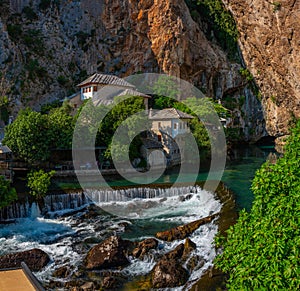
[220, 22]
[262, 250]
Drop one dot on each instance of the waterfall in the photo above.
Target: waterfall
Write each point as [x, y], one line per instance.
[54, 202]
[35, 210]
[125, 195]
[65, 201]
[60, 202]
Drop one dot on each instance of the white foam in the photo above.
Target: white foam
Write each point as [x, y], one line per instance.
[58, 236]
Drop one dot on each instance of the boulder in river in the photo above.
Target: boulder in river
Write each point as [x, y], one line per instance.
[183, 231]
[168, 273]
[189, 246]
[175, 254]
[62, 272]
[144, 246]
[111, 253]
[181, 252]
[35, 259]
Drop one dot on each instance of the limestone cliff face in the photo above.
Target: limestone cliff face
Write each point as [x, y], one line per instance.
[45, 50]
[270, 42]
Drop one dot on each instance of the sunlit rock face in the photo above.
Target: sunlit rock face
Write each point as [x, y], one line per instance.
[45, 50]
[269, 40]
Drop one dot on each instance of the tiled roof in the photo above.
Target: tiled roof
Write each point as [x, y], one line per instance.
[131, 92]
[170, 113]
[106, 80]
[4, 149]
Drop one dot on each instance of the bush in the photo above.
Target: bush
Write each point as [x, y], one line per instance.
[28, 136]
[262, 250]
[45, 4]
[7, 193]
[39, 182]
[14, 30]
[62, 80]
[29, 13]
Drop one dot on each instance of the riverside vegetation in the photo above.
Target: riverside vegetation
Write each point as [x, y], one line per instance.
[261, 251]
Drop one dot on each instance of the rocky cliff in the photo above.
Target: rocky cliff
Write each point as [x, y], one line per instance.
[270, 43]
[48, 46]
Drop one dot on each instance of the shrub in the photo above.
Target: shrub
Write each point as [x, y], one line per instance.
[39, 182]
[14, 30]
[29, 13]
[262, 250]
[7, 193]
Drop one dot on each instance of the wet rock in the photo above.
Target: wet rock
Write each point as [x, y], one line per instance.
[189, 246]
[111, 282]
[168, 273]
[185, 198]
[111, 253]
[124, 224]
[81, 285]
[183, 231]
[175, 254]
[212, 279]
[35, 259]
[144, 246]
[181, 252]
[62, 272]
[88, 286]
[195, 262]
[53, 285]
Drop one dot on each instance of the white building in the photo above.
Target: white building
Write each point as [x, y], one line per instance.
[93, 87]
[90, 86]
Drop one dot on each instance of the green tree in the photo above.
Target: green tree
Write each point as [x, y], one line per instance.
[124, 113]
[89, 124]
[262, 250]
[60, 127]
[167, 91]
[7, 193]
[39, 182]
[28, 136]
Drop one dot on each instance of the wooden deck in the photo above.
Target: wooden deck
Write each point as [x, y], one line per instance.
[19, 280]
[15, 280]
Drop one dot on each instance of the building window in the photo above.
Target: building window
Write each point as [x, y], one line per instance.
[175, 125]
[90, 89]
[95, 88]
[180, 125]
[159, 125]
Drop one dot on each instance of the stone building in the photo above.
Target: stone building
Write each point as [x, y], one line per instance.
[170, 127]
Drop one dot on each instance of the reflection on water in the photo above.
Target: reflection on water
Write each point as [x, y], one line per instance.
[240, 171]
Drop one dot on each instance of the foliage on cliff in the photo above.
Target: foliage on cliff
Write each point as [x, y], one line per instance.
[7, 193]
[262, 250]
[221, 23]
